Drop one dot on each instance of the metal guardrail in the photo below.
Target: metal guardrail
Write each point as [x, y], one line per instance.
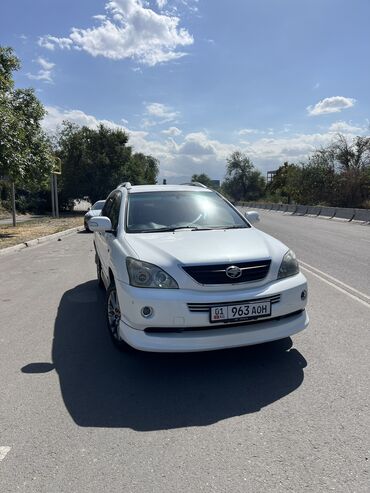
[346, 214]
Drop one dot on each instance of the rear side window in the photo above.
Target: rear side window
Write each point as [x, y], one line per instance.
[111, 208]
[114, 211]
[107, 206]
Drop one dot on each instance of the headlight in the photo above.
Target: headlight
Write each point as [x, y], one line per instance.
[145, 275]
[289, 265]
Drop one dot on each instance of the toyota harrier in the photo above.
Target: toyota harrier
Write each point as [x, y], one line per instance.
[186, 271]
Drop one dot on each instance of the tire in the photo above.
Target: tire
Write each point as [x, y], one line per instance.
[113, 312]
[98, 272]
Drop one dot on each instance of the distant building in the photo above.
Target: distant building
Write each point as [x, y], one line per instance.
[270, 175]
[215, 183]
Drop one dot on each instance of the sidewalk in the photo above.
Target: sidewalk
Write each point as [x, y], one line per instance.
[20, 219]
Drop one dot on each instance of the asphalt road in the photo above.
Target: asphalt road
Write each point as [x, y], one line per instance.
[77, 416]
[336, 248]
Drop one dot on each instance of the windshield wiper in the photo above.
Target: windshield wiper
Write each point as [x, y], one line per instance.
[176, 228]
[232, 227]
[189, 228]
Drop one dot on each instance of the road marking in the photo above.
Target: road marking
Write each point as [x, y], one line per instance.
[337, 284]
[3, 452]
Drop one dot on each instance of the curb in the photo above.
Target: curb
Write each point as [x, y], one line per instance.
[37, 241]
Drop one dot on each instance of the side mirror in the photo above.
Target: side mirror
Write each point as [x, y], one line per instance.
[252, 216]
[100, 224]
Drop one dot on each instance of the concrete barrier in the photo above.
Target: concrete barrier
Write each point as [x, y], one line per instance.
[347, 214]
[301, 210]
[291, 208]
[362, 215]
[328, 212]
[344, 213]
[313, 210]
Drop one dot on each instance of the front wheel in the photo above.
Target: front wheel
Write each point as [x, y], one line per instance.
[114, 317]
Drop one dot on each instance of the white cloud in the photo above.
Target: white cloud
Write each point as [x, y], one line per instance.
[161, 111]
[172, 131]
[130, 30]
[50, 42]
[277, 150]
[55, 116]
[45, 72]
[248, 131]
[161, 3]
[346, 128]
[45, 65]
[157, 114]
[197, 152]
[334, 104]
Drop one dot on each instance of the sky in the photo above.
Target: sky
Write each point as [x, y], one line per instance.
[192, 81]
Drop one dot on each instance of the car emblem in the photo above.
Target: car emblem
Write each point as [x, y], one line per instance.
[233, 272]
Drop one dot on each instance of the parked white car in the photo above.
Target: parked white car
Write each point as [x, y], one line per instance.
[94, 211]
[186, 271]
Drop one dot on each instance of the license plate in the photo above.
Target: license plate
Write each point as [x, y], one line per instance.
[245, 311]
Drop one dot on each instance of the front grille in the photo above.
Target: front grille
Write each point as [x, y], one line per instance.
[175, 330]
[205, 307]
[216, 273]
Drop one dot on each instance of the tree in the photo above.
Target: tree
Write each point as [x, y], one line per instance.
[286, 183]
[95, 161]
[347, 162]
[146, 168]
[243, 181]
[204, 179]
[25, 152]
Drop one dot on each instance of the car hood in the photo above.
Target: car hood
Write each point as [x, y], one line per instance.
[201, 247]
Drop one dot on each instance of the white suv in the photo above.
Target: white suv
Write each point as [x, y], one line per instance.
[186, 271]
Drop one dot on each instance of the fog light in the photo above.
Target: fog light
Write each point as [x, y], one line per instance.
[147, 311]
[304, 294]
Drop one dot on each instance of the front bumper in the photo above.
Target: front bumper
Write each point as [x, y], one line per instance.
[171, 310]
[217, 338]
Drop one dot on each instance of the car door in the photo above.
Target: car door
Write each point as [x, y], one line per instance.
[101, 237]
[108, 237]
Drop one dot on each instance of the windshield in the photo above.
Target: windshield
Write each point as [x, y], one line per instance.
[98, 206]
[168, 211]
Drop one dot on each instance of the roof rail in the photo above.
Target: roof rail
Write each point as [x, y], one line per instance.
[195, 184]
[125, 184]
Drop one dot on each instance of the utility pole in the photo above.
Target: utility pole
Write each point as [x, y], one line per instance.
[13, 204]
[56, 195]
[52, 195]
[57, 170]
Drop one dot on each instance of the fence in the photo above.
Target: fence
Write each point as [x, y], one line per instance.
[346, 214]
